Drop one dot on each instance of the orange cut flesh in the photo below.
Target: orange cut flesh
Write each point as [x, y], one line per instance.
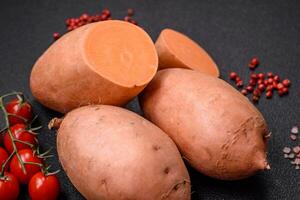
[176, 50]
[121, 52]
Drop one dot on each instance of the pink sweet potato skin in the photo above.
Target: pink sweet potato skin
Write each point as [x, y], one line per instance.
[111, 153]
[218, 130]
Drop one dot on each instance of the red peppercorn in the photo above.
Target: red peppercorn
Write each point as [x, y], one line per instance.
[270, 81]
[285, 90]
[269, 94]
[239, 83]
[276, 78]
[103, 17]
[130, 12]
[261, 87]
[270, 87]
[286, 82]
[252, 82]
[253, 63]
[253, 76]
[68, 21]
[84, 17]
[260, 81]
[266, 82]
[56, 36]
[127, 18]
[256, 92]
[261, 76]
[270, 74]
[76, 21]
[237, 79]
[80, 24]
[106, 12]
[249, 88]
[280, 93]
[244, 92]
[255, 98]
[279, 86]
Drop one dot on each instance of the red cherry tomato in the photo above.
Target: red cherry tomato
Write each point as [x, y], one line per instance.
[3, 158]
[23, 110]
[19, 132]
[16, 168]
[9, 187]
[43, 187]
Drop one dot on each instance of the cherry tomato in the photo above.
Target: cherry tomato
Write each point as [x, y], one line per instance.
[43, 187]
[16, 168]
[3, 158]
[23, 110]
[19, 132]
[9, 187]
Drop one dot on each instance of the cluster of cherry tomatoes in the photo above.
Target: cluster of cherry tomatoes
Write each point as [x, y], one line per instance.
[20, 160]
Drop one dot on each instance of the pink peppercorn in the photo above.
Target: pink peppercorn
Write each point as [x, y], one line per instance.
[286, 82]
[244, 92]
[261, 76]
[56, 36]
[279, 86]
[269, 94]
[130, 12]
[249, 88]
[261, 87]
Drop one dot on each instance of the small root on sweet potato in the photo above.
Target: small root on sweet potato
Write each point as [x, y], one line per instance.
[175, 187]
[55, 123]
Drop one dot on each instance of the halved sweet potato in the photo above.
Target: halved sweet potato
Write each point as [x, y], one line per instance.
[176, 50]
[101, 63]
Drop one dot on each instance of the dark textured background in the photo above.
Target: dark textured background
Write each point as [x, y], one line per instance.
[231, 31]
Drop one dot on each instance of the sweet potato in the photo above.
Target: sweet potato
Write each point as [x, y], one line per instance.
[107, 62]
[176, 50]
[114, 154]
[218, 130]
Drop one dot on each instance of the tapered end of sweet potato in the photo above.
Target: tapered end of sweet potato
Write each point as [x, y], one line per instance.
[176, 50]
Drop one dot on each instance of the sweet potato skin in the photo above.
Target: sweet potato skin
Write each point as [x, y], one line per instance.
[218, 131]
[62, 80]
[114, 154]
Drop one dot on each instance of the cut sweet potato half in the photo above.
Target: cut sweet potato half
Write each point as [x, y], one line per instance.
[176, 50]
[107, 62]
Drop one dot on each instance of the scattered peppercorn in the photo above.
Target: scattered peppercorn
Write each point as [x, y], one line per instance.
[253, 63]
[244, 92]
[270, 74]
[295, 130]
[276, 78]
[233, 75]
[293, 153]
[286, 82]
[74, 23]
[293, 137]
[240, 83]
[252, 82]
[249, 88]
[287, 150]
[56, 36]
[269, 94]
[130, 12]
[264, 82]
[261, 87]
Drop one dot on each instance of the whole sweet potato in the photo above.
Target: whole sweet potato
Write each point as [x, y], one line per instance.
[110, 153]
[218, 130]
